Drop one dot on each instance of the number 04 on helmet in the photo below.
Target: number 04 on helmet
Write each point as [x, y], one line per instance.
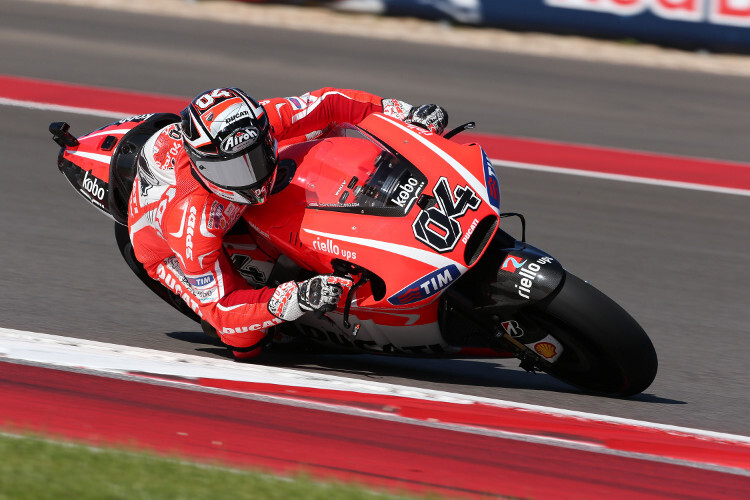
[230, 143]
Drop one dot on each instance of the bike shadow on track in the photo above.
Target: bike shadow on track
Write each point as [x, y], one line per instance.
[434, 373]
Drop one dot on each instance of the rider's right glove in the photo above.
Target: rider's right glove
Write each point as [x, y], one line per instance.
[320, 294]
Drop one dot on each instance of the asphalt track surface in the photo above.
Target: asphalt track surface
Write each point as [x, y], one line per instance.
[675, 259]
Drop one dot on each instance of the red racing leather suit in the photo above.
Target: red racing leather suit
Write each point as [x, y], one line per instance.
[177, 227]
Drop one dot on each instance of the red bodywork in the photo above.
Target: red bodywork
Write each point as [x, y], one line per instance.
[314, 221]
[411, 208]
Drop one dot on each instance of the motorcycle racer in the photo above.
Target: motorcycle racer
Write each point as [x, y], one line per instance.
[196, 178]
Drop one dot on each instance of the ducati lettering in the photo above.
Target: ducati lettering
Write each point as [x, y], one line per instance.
[174, 285]
[237, 116]
[92, 187]
[190, 233]
[473, 226]
[251, 328]
[438, 227]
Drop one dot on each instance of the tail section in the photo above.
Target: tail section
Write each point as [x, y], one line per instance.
[102, 164]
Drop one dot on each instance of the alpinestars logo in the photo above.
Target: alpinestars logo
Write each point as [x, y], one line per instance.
[438, 227]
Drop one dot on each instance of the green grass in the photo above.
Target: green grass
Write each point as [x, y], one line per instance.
[38, 469]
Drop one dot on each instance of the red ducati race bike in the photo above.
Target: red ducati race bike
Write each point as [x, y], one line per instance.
[414, 218]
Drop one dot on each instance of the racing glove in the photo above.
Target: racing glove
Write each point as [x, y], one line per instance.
[428, 116]
[320, 294]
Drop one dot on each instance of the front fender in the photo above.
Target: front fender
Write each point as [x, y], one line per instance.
[525, 274]
[510, 274]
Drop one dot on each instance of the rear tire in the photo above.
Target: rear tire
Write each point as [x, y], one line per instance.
[604, 349]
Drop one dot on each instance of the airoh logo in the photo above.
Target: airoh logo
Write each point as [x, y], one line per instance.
[240, 139]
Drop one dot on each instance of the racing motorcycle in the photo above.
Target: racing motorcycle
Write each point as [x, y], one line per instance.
[414, 218]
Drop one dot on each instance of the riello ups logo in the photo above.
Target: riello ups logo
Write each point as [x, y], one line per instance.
[726, 12]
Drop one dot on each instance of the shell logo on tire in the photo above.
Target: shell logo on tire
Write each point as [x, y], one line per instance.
[546, 349]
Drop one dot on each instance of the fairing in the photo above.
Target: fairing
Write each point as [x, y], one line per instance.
[407, 206]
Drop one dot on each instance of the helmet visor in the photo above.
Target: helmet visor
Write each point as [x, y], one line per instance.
[246, 171]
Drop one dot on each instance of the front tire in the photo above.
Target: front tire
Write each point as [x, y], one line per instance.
[604, 349]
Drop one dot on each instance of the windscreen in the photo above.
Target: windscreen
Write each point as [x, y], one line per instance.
[384, 183]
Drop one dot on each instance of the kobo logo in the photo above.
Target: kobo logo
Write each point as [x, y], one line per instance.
[92, 187]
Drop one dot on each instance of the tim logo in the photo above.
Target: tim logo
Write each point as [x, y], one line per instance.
[512, 264]
[426, 286]
[491, 182]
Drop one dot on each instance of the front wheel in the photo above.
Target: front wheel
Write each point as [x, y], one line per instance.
[604, 349]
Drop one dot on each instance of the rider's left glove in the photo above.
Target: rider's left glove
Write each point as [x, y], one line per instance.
[320, 294]
[429, 116]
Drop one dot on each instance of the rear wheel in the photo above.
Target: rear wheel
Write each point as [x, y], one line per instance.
[604, 349]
